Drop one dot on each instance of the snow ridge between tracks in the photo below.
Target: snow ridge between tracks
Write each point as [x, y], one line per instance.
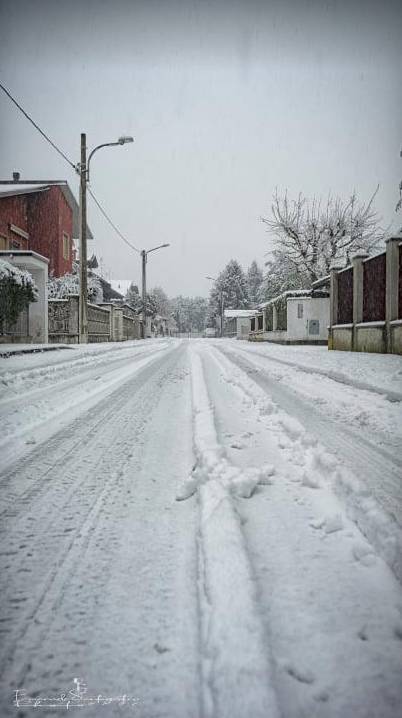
[237, 671]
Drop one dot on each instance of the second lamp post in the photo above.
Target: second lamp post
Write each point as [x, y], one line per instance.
[144, 255]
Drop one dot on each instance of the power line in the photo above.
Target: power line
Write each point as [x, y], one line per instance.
[37, 127]
[106, 216]
[74, 166]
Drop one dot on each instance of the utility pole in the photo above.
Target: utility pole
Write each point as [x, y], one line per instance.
[222, 313]
[83, 303]
[83, 170]
[144, 258]
[144, 293]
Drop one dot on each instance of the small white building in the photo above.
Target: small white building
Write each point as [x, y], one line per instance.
[32, 325]
[294, 317]
[238, 322]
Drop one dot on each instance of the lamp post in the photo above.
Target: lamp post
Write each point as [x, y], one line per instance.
[83, 171]
[144, 259]
[222, 304]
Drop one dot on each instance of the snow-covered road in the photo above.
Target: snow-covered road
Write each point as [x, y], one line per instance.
[210, 528]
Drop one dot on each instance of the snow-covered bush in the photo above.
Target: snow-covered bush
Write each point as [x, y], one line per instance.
[17, 290]
[63, 287]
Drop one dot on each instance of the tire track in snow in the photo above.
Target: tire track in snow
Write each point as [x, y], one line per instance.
[236, 667]
[60, 519]
[64, 441]
[62, 405]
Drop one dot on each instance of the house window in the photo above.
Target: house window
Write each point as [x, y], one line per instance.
[66, 246]
[300, 311]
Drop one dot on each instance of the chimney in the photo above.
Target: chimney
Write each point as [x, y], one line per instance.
[16, 176]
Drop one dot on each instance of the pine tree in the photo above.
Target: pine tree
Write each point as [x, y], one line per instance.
[232, 284]
[133, 297]
[254, 282]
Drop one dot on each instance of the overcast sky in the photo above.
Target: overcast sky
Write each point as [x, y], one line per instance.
[226, 101]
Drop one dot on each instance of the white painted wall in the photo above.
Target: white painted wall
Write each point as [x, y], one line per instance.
[313, 309]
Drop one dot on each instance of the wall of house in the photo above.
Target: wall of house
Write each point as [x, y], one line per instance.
[49, 215]
[13, 210]
[314, 308]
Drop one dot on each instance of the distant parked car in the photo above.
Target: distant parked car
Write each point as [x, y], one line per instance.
[210, 332]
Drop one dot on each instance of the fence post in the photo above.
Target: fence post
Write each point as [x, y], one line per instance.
[274, 318]
[111, 322]
[391, 286]
[73, 315]
[333, 302]
[357, 263]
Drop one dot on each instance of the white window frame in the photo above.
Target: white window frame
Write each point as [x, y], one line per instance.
[66, 245]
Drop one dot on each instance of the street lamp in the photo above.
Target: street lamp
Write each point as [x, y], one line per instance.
[83, 171]
[144, 255]
[221, 303]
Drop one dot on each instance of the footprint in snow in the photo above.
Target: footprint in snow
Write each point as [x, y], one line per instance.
[321, 697]
[311, 481]
[160, 649]
[237, 445]
[362, 634]
[364, 554]
[333, 523]
[303, 675]
[398, 631]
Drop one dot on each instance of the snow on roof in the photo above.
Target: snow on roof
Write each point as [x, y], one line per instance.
[285, 295]
[12, 191]
[233, 313]
[322, 281]
[120, 285]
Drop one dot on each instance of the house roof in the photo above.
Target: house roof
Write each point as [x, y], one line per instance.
[287, 295]
[238, 313]
[109, 292]
[120, 285]
[23, 253]
[10, 190]
[322, 282]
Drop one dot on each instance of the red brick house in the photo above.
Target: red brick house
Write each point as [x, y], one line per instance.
[41, 218]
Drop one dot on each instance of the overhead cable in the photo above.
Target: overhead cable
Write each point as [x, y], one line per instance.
[37, 127]
[106, 216]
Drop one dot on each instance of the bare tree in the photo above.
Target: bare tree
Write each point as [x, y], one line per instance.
[309, 236]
